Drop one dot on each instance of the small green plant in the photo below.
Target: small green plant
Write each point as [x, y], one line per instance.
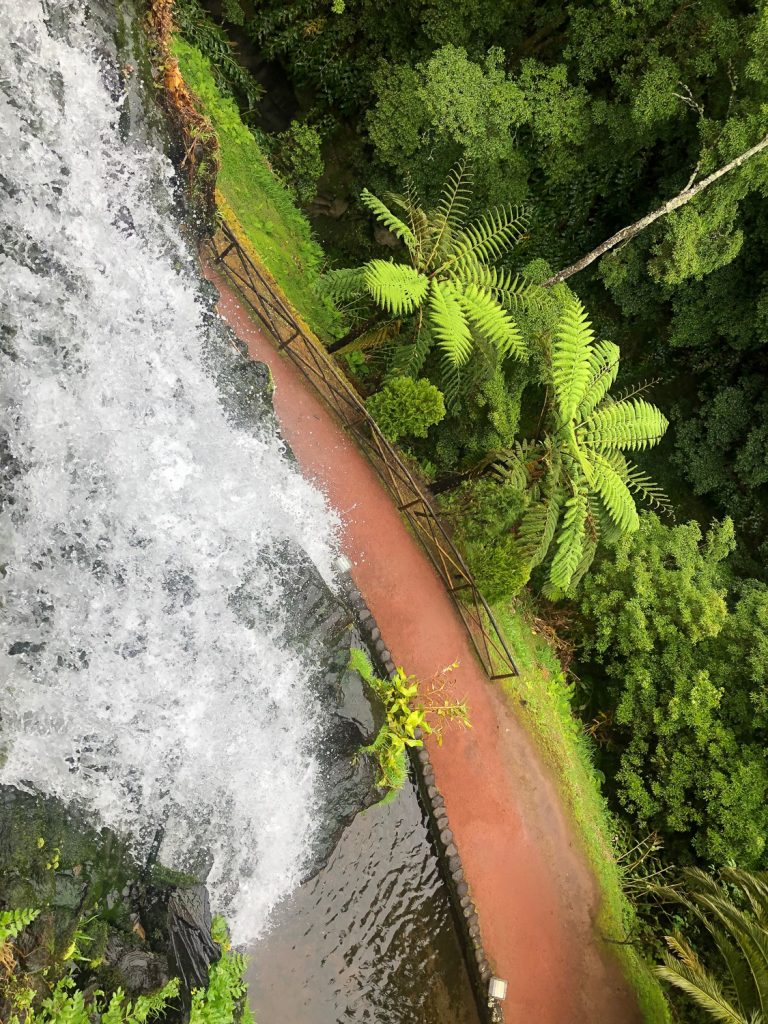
[406, 407]
[398, 731]
[12, 922]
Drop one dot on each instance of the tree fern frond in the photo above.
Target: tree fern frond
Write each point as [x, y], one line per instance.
[449, 323]
[384, 215]
[409, 359]
[510, 289]
[395, 287]
[492, 321]
[487, 238]
[537, 528]
[591, 539]
[572, 363]
[570, 542]
[615, 495]
[451, 210]
[628, 425]
[604, 367]
[341, 285]
[374, 338]
[513, 464]
[450, 384]
[640, 483]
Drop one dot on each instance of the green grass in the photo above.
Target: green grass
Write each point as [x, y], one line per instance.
[541, 698]
[278, 231]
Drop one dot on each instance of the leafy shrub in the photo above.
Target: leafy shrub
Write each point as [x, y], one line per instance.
[297, 158]
[686, 688]
[406, 408]
[483, 514]
[406, 711]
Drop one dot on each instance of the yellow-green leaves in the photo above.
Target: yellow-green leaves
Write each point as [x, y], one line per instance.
[395, 287]
[572, 368]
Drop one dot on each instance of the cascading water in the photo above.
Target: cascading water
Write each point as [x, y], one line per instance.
[138, 507]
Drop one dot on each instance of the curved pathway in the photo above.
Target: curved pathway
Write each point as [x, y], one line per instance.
[535, 896]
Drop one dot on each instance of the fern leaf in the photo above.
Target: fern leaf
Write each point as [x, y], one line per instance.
[374, 338]
[629, 425]
[341, 285]
[640, 483]
[409, 359]
[395, 287]
[451, 210]
[570, 542]
[604, 367]
[615, 495]
[591, 540]
[12, 922]
[449, 323]
[537, 528]
[384, 215]
[492, 321]
[361, 663]
[513, 465]
[451, 384]
[510, 289]
[572, 366]
[487, 238]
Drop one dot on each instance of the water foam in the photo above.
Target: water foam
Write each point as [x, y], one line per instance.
[137, 507]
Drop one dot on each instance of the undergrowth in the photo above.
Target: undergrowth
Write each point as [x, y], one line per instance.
[263, 206]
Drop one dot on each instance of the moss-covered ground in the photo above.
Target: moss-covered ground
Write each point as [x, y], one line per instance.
[263, 206]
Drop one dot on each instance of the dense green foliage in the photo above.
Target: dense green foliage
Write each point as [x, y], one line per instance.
[296, 157]
[405, 407]
[684, 647]
[734, 913]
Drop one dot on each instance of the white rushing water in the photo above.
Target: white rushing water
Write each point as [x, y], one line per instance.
[127, 681]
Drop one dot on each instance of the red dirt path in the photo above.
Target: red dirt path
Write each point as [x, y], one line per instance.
[535, 896]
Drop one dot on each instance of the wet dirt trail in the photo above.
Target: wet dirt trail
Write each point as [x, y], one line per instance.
[535, 895]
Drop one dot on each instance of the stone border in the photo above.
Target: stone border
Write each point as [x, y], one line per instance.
[449, 859]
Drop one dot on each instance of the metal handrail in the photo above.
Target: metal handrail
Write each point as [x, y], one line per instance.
[320, 369]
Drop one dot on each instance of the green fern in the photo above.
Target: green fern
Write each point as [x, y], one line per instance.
[492, 321]
[572, 359]
[581, 485]
[467, 300]
[395, 287]
[449, 324]
[341, 285]
[388, 219]
[13, 922]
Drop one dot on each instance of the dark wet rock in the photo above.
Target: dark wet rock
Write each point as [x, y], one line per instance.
[191, 948]
[137, 971]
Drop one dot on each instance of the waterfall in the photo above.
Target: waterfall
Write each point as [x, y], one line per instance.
[137, 504]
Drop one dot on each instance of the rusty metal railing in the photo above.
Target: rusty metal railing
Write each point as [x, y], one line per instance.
[321, 370]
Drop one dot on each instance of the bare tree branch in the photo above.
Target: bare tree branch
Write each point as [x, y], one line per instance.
[675, 203]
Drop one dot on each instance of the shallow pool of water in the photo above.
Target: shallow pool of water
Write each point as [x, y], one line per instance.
[371, 938]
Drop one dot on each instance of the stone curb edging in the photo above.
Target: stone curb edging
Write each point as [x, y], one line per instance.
[448, 856]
